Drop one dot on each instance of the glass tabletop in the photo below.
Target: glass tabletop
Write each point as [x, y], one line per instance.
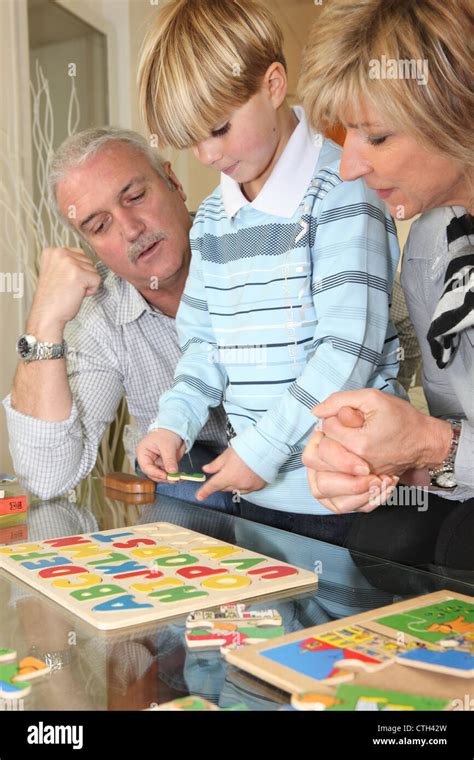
[143, 666]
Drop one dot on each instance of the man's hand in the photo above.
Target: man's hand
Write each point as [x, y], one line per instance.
[159, 453]
[394, 436]
[230, 474]
[67, 276]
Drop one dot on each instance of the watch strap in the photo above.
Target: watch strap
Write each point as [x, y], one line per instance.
[442, 476]
[45, 350]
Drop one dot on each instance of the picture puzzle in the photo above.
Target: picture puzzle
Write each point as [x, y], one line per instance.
[117, 578]
[434, 633]
[230, 627]
[356, 698]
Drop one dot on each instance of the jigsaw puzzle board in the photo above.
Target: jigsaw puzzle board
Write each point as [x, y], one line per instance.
[375, 648]
[117, 578]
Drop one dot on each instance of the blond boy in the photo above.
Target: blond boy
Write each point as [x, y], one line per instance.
[287, 259]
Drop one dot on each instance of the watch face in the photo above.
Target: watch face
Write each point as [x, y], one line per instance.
[446, 480]
[25, 346]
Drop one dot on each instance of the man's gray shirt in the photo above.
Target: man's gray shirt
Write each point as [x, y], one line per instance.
[118, 345]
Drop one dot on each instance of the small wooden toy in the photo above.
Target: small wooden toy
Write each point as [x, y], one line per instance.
[195, 477]
[357, 698]
[431, 633]
[233, 613]
[122, 577]
[13, 529]
[121, 481]
[15, 677]
[12, 504]
[137, 499]
[226, 635]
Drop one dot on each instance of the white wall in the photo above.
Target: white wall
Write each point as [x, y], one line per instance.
[14, 142]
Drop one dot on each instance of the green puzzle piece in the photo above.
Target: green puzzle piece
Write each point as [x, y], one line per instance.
[434, 622]
[8, 688]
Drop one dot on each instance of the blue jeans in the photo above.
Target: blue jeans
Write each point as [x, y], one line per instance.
[331, 528]
[185, 490]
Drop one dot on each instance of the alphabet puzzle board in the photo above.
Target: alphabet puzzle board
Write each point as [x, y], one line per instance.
[432, 633]
[118, 578]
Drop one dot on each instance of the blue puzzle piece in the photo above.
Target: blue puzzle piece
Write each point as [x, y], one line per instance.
[458, 662]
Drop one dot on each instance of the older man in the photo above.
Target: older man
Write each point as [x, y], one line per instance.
[97, 333]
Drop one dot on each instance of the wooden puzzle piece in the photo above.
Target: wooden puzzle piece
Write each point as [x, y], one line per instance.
[367, 642]
[357, 698]
[30, 668]
[195, 704]
[233, 612]
[195, 477]
[15, 677]
[450, 662]
[9, 689]
[433, 622]
[7, 655]
[224, 634]
[186, 704]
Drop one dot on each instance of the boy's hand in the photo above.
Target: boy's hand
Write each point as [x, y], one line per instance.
[230, 474]
[159, 453]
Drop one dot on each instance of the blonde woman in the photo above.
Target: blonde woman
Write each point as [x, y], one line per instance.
[398, 75]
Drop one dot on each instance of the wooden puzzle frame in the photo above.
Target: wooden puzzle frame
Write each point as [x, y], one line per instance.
[150, 572]
[400, 677]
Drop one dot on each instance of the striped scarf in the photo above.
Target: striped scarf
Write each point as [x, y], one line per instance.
[455, 310]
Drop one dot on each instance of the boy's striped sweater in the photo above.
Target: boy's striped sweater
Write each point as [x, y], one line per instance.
[277, 314]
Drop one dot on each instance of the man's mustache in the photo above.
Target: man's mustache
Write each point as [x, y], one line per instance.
[143, 243]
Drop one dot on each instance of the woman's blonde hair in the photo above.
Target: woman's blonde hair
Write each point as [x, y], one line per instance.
[354, 40]
[200, 60]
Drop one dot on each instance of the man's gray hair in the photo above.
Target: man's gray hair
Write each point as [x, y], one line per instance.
[77, 149]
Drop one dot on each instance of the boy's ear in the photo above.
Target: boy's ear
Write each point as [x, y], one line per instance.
[276, 83]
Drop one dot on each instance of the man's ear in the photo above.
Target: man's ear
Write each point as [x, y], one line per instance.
[174, 180]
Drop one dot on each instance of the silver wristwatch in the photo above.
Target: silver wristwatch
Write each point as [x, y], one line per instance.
[30, 349]
[443, 475]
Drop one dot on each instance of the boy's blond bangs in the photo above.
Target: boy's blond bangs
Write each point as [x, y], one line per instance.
[336, 80]
[201, 60]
